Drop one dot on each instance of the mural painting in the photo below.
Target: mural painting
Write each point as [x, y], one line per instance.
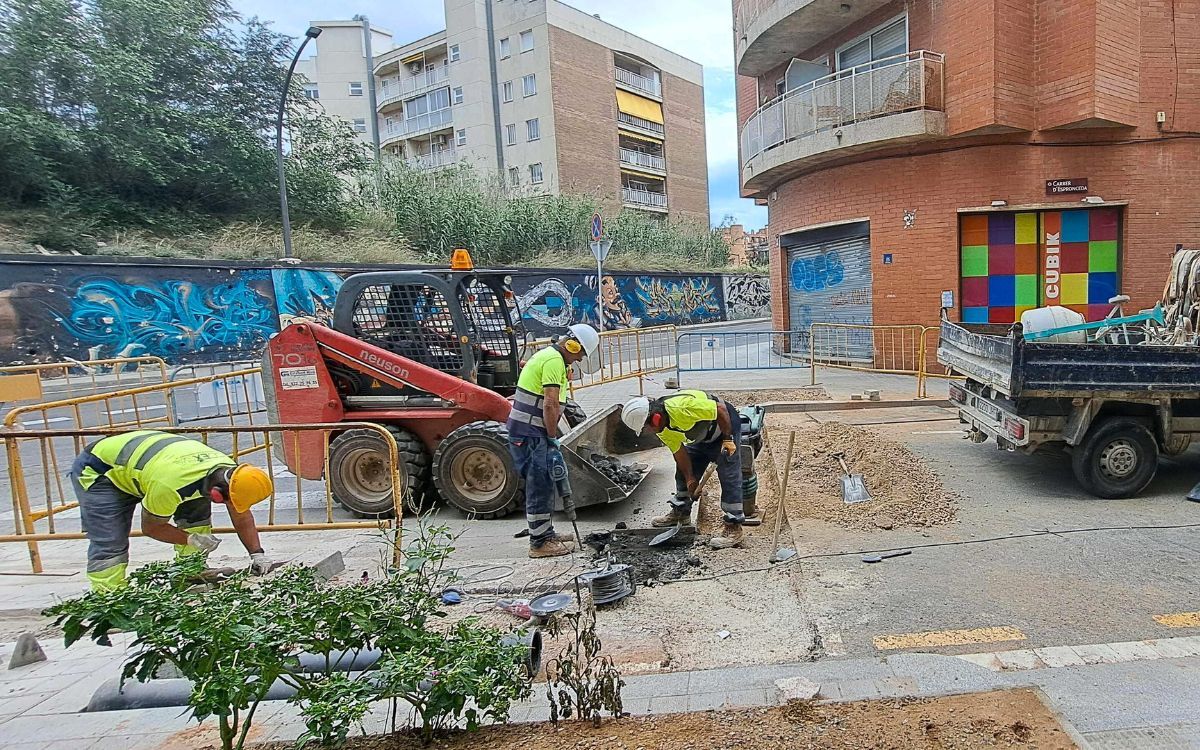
[628, 300]
[305, 294]
[747, 296]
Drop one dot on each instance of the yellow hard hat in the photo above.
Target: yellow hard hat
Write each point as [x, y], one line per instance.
[248, 485]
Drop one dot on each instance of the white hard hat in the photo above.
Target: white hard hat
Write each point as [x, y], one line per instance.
[589, 339]
[635, 412]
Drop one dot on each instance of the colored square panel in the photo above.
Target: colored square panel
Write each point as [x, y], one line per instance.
[1097, 312]
[1027, 259]
[1002, 259]
[1073, 257]
[975, 291]
[1002, 291]
[974, 229]
[1075, 226]
[1002, 229]
[974, 260]
[975, 315]
[1002, 315]
[1103, 224]
[1102, 256]
[1101, 288]
[1026, 290]
[1026, 229]
[1081, 309]
[1074, 288]
[1019, 310]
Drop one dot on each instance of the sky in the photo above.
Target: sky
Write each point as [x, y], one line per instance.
[697, 29]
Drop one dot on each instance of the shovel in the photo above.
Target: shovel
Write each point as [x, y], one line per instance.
[673, 531]
[854, 489]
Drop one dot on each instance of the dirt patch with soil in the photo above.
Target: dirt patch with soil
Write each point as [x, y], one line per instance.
[905, 492]
[771, 395]
[1000, 719]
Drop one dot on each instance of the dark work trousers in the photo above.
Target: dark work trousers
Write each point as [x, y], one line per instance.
[729, 471]
[531, 456]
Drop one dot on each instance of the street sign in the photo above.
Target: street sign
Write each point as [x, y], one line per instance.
[597, 227]
[600, 249]
[1070, 185]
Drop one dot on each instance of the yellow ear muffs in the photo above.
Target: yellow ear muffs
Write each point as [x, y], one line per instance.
[573, 346]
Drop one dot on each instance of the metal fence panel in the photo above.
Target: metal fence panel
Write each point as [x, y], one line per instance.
[701, 351]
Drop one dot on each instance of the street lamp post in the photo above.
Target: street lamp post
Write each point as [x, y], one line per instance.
[312, 33]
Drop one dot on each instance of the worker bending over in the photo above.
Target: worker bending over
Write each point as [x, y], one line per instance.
[699, 429]
[170, 476]
[533, 431]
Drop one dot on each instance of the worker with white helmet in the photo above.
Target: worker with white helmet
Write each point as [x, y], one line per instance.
[170, 476]
[699, 429]
[533, 430]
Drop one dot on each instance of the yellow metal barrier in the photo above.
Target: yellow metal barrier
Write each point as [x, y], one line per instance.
[79, 377]
[625, 353]
[885, 349]
[933, 368]
[27, 453]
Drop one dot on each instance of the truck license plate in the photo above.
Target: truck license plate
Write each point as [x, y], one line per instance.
[988, 410]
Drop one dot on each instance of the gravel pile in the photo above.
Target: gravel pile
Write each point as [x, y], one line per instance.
[625, 476]
[905, 491]
[771, 395]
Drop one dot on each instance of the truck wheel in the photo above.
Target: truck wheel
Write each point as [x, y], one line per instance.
[1117, 459]
[359, 477]
[473, 470]
[1177, 445]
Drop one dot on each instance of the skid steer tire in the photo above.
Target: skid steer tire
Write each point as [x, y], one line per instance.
[473, 470]
[358, 472]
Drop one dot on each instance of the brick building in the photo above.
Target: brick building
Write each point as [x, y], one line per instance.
[548, 97]
[1015, 153]
[745, 248]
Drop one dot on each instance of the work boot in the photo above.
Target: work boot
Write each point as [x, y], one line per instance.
[564, 537]
[731, 536]
[674, 516]
[551, 548]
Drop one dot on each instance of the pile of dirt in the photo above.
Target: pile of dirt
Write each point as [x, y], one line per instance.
[772, 395]
[1001, 719]
[906, 492]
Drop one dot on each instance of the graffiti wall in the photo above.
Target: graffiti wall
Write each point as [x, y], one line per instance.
[87, 309]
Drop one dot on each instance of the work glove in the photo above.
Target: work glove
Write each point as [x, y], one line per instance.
[259, 564]
[204, 542]
[728, 447]
[555, 444]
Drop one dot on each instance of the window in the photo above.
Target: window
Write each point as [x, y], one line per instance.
[527, 41]
[431, 102]
[505, 91]
[360, 125]
[505, 48]
[454, 53]
[460, 138]
[458, 95]
[535, 173]
[510, 134]
[534, 129]
[514, 176]
[356, 88]
[311, 91]
[780, 86]
[529, 84]
[890, 40]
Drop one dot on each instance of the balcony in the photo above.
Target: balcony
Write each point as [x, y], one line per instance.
[642, 160]
[413, 126]
[395, 88]
[638, 198]
[888, 102]
[638, 83]
[640, 124]
[769, 33]
[434, 160]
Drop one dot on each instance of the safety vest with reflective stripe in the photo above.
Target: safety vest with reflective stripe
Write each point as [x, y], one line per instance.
[691, 418]
[546, 368]
[163, 470]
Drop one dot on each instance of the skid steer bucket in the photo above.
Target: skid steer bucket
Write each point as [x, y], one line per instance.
[596, 440]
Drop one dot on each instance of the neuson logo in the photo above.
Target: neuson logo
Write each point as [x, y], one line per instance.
[383, 364]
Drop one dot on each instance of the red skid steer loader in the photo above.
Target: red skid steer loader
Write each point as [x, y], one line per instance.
[433, 356]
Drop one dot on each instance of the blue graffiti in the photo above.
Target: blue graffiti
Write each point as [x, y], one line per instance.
[305, 293]
[169, 318]
[817, 273]
[670, 300]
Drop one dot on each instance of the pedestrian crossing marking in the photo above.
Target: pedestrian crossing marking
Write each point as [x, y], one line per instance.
[1179, 620]
[938, 638]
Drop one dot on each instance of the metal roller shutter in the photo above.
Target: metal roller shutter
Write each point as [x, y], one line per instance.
[829, 281]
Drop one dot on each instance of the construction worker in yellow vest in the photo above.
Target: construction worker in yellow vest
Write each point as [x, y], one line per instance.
[170, 476]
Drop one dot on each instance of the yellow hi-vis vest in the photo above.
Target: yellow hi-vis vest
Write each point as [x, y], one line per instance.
[163, 470]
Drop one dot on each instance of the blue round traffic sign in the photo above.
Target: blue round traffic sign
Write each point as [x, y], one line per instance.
[597, 227]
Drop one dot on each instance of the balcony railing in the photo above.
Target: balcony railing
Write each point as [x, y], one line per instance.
[411, 125]
[434, 160]
[903, 83]
[640, 82]
[639, 159]
[640, 123]
[398, 87]
[639, 197]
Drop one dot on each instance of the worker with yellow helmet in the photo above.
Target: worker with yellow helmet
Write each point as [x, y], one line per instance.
[170, 476]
